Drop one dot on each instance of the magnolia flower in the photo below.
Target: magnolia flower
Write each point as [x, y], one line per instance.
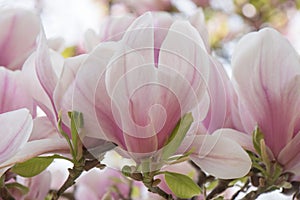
[19, 29]
[134, 92]
[266, 73]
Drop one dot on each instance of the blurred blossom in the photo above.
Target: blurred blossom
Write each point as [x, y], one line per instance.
[112, 29]
[19, 30]
[38, 186]
[142, 6]
[292, 31]
[108, 183]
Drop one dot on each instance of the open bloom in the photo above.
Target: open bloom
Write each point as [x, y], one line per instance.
[133, 92]
[266, 73]
[19, 30]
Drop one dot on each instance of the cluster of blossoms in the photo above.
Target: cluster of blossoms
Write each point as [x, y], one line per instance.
[150, 89]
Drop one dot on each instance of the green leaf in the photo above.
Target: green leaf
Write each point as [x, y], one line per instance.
[177, 136]
[181, 185]
[76, 119]
[257, 137]
[33, 166]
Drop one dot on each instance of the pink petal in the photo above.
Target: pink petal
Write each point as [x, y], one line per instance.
[182, 54]
[289, 157]
[221, 157]
[16, 126]
[43, 128]
[38, 78]
[90, 94]
[261, 70]
[19, 30]
[62, 96]
[48, 68]
[218, 96]
[140, 36]
[13, 92]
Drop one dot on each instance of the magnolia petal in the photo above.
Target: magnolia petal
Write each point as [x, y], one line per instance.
[34, 88]
[62, 96]
[19, 29]
[140, 36]
[217, 91]
[13, 92]
[175, 55]
[44, 68]
[221, 157]
[260, 77]
[289, 156]
[43, 129]
[241, 138]
[90, 95]
[16, 126]
[37, 147]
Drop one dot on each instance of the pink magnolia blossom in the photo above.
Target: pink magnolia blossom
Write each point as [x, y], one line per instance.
[266, 73]
[19, 30]
[133, 92]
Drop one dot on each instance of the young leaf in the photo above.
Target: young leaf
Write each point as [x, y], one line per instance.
[76, 119]
[257, 137]
[33, 166]
[177, 136]
[181, 185]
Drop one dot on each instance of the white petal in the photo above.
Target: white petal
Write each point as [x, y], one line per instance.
[221, 157]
